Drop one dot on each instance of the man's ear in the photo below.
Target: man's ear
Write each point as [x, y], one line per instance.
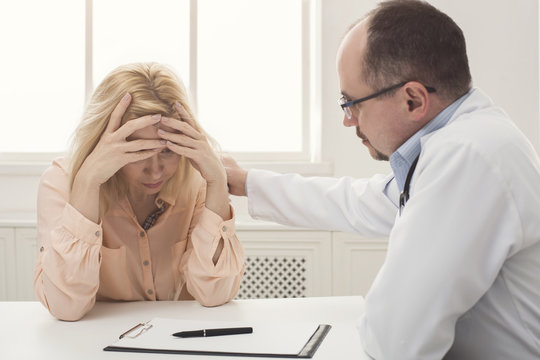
[417, 100]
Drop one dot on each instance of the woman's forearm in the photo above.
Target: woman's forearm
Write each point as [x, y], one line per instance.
[84, 196]
[217, 199]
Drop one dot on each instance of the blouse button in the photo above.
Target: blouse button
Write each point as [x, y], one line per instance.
[150, 292]
[141, 234]
[224, 228]
[98, 233]
[41, 249]
[146, 262]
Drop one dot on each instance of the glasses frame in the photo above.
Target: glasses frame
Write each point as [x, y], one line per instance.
[345, 105]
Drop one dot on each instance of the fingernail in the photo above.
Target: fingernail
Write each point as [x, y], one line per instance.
[156, 117]
[178, 104]
[126, 97]
[164, 119]
[163, 142]
[161, 132]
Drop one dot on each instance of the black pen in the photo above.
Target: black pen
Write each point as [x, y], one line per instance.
[214, 332]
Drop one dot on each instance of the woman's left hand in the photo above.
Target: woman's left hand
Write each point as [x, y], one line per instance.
[194, 146]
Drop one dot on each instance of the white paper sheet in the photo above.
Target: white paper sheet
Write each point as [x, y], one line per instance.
[267, 337]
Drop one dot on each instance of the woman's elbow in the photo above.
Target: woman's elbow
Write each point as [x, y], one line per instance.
[67, 310]
[215, 295]
[68, 313]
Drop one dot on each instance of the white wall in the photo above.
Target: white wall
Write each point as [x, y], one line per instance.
[502, 42]
[502, 45]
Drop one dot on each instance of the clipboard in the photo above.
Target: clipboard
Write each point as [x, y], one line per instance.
[269, 339]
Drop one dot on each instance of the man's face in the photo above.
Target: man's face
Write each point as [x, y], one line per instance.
[375, 119]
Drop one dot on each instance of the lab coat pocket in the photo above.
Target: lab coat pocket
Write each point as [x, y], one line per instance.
[114, 283]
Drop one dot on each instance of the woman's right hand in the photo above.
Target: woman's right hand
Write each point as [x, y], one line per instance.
[111, 153]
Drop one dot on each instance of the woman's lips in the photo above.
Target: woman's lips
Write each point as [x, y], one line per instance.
[154, 185]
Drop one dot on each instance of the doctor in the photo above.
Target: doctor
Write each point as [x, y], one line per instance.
[461, 209]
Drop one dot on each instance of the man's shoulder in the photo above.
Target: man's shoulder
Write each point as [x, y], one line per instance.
[486, 129]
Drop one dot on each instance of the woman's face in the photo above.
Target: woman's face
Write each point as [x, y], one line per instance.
[147, 177]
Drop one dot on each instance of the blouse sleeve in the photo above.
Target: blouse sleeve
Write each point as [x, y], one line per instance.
[210, 284]
[66, 275]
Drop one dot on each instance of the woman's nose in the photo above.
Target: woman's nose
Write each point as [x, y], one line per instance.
[154, 166]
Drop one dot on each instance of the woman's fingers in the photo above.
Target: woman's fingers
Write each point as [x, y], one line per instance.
[183, 150]
[130, 157]
[184, 115]
[204, 159]
[137, 124]
[181, 139]
[182, 127]
[143, 144]
[118, 112]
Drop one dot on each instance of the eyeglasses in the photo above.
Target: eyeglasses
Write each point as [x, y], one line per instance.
[137, 330]
[345, 104]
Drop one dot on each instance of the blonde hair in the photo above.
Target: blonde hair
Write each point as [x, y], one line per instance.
[154, 89]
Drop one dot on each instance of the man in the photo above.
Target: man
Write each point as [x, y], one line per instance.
[461, 279]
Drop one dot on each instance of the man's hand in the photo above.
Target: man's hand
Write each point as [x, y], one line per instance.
[236, 176]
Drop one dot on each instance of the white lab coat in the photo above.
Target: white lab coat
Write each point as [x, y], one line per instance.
[461, 279]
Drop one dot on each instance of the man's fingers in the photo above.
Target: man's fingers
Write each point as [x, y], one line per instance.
[118, 112]
[228, 161]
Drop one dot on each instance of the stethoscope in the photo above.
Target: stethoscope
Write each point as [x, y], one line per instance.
[404, 196]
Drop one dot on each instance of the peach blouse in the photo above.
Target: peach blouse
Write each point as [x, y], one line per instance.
[80, 261]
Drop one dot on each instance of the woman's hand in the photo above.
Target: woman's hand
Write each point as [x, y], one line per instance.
[195, 146]
[111, 153]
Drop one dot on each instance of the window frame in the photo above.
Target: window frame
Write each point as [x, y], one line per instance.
[311, 24]
[311, 79]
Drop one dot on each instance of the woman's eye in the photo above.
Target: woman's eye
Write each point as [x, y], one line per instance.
[166, 152]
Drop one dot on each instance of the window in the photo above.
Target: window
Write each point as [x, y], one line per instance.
[42, 86]
[247, 64]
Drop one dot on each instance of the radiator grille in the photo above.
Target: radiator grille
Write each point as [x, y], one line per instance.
[273, 277]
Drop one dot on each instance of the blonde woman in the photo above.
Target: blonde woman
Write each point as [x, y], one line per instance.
[138, 209]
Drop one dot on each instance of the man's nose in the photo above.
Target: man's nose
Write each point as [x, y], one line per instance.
[349, 122]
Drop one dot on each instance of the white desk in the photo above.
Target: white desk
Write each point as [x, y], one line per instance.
[28, 331]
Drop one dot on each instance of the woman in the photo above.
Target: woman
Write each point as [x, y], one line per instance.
[139, 209]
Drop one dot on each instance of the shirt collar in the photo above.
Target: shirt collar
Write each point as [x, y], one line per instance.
[165, 196]
[403, 157]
